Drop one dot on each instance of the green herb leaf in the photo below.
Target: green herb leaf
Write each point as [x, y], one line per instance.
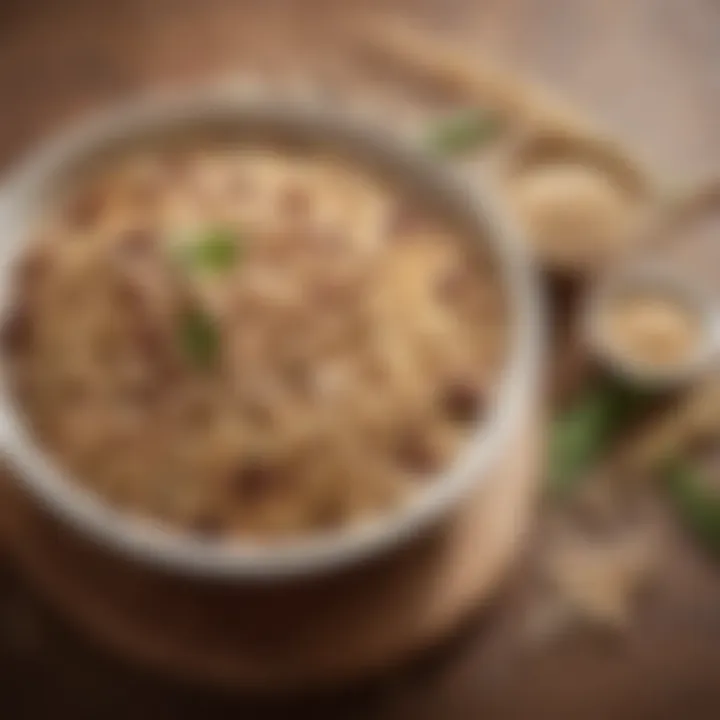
[215, 250]
[581, 434]
[199, 337]
[698, 507]
[464, 131]
[576, 440]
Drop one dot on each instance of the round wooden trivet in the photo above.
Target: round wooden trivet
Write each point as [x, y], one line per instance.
[292, 634]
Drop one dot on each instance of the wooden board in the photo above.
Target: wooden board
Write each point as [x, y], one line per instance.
[293, 634]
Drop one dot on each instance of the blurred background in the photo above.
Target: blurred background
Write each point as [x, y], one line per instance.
[648, 71]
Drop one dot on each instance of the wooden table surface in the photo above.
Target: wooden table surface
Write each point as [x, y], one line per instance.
[649, 70]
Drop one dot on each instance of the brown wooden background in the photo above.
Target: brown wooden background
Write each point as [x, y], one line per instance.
[650, 71]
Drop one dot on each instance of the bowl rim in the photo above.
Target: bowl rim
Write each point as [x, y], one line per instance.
[180, 552]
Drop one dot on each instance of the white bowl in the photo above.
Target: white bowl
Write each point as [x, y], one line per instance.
[22, 197]
[652, 276]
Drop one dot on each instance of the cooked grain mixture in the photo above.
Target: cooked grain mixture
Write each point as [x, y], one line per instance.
[247, 342]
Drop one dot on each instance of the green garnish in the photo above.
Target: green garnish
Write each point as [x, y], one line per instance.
[697, 505]
[581, 434]
[199, 336]
[576, 439]
[464, 131]
[215, 250]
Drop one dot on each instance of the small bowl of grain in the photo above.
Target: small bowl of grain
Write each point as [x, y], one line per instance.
[652, 326]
